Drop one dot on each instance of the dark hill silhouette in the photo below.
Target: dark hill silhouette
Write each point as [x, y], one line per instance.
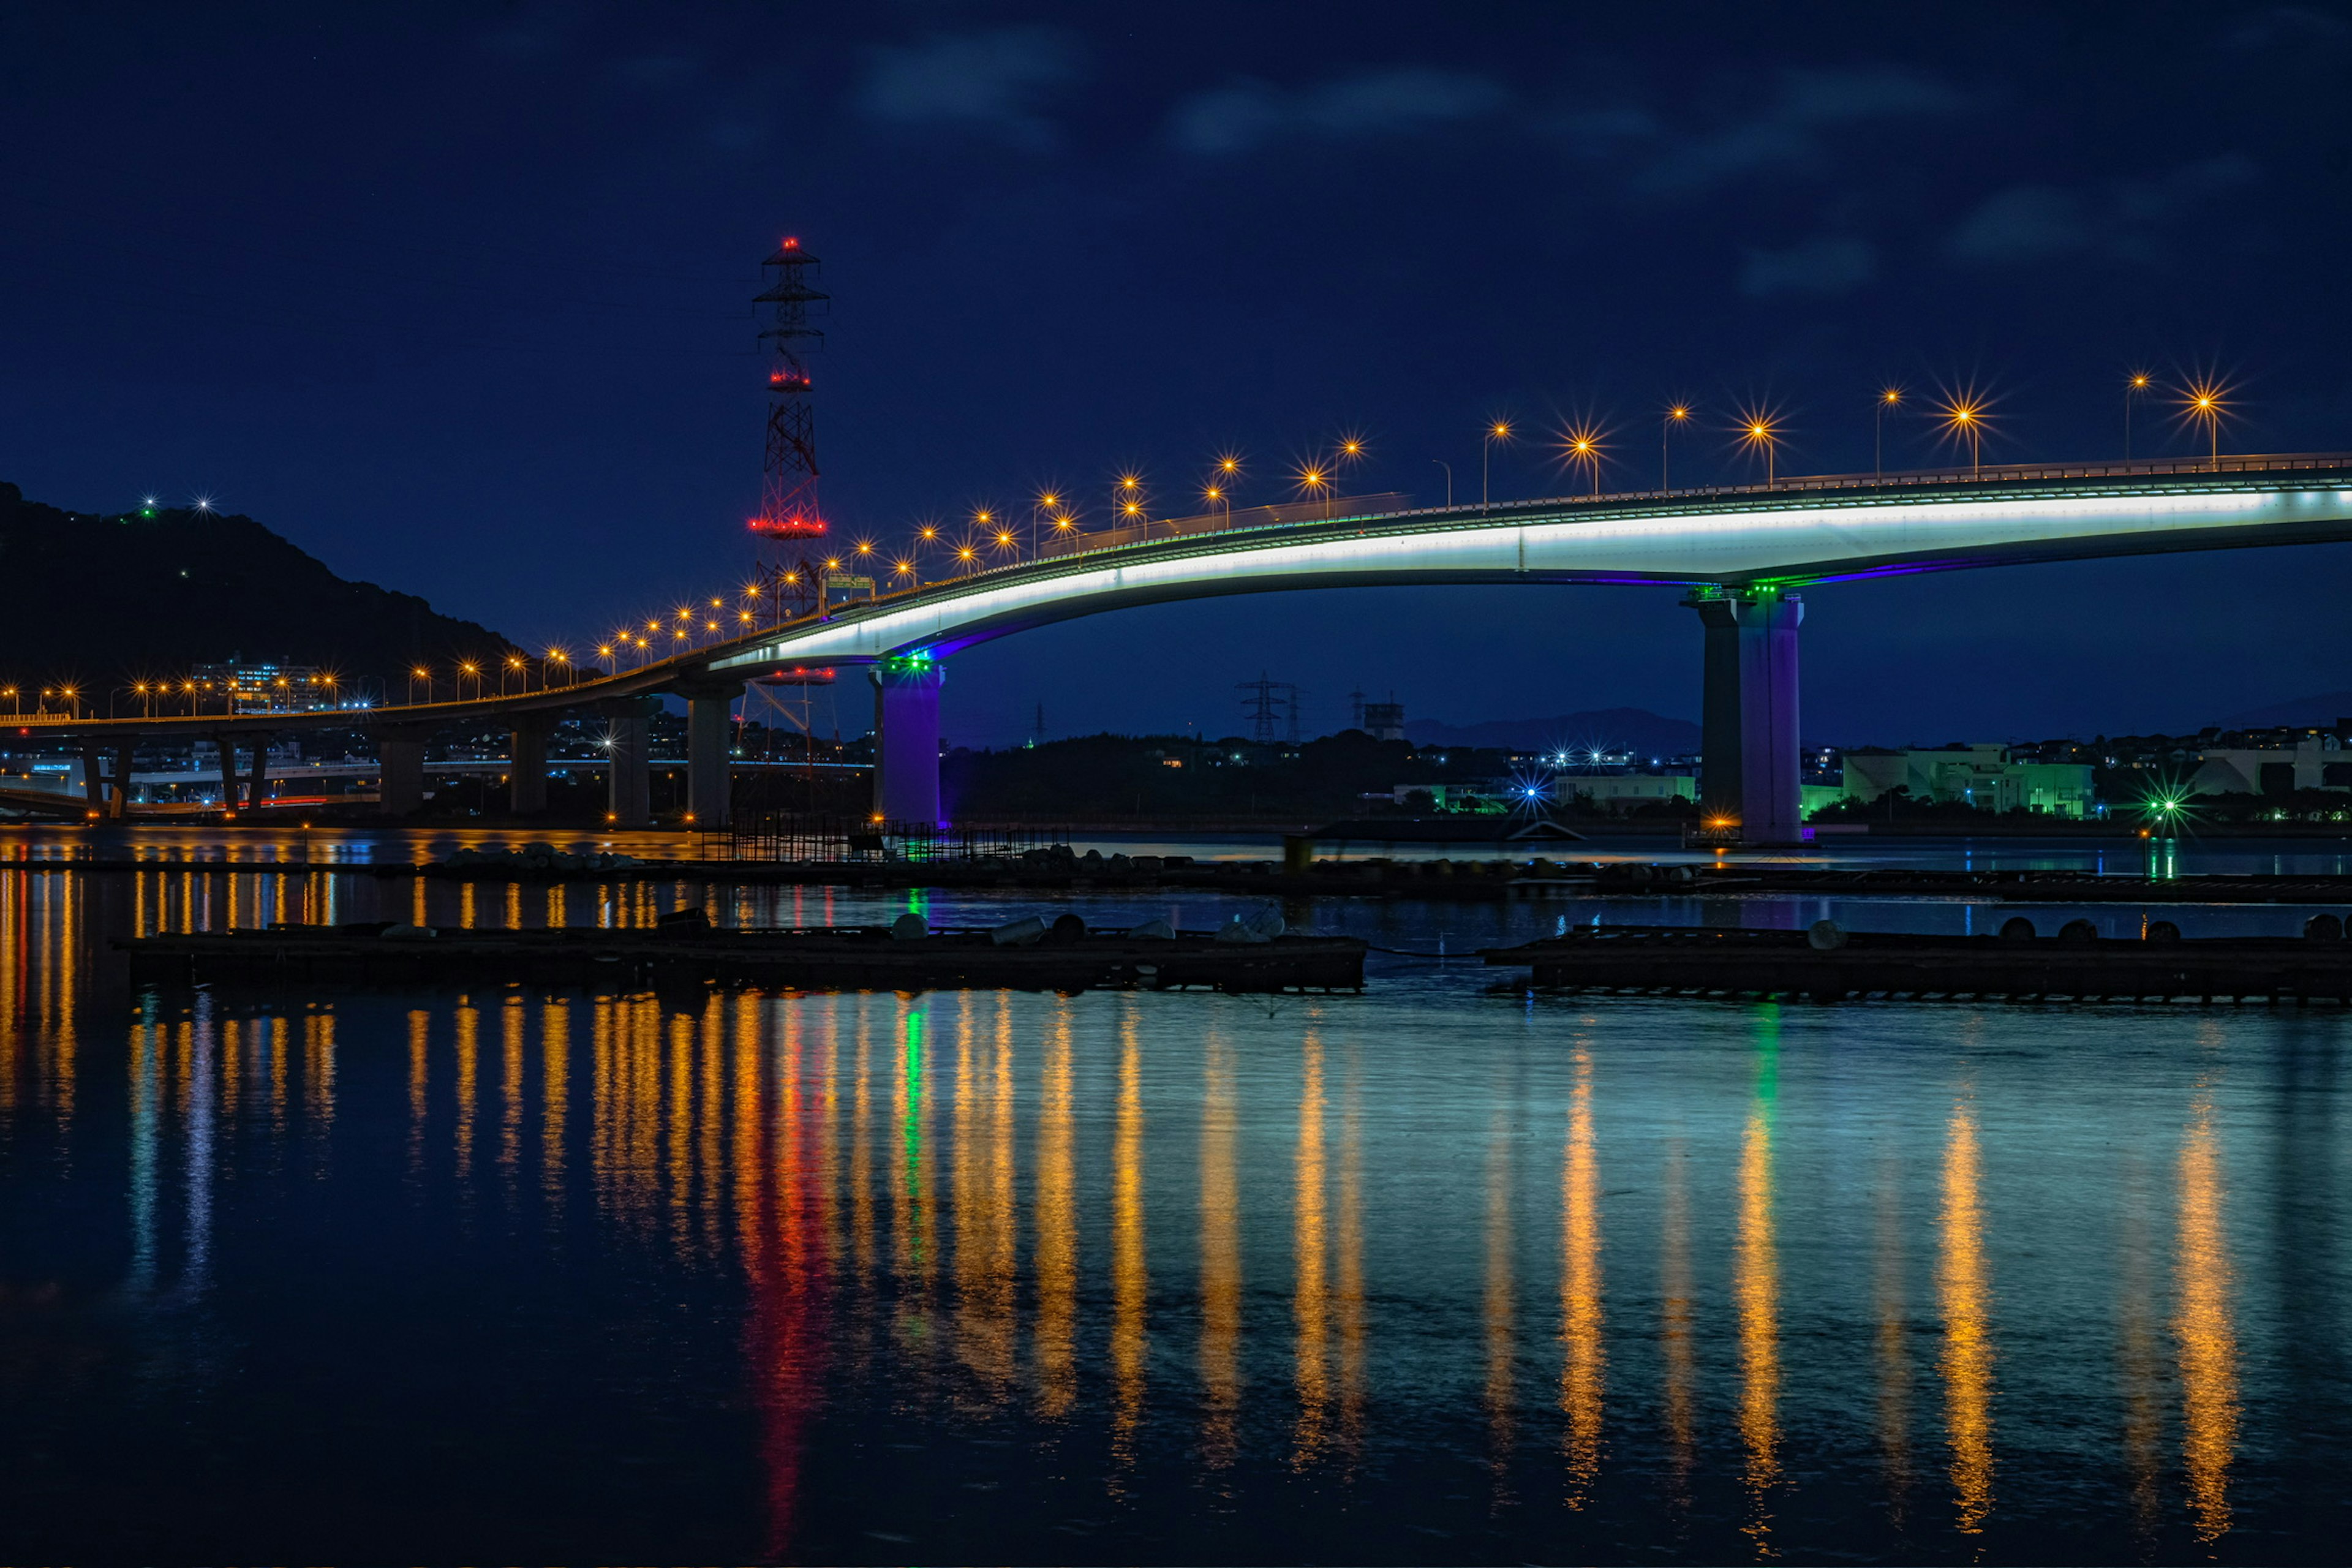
[105, 600]
[2323, 709]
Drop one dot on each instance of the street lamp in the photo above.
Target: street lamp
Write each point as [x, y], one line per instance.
[2136, 386]
[1677, 414]
[464, 669]
[514, 662]
[1759, 429]
[1582, 444]
[2201, 402]
[415, 675]
[1497, 430]
[1314, 481]
[1964, 416]
[1891, 397]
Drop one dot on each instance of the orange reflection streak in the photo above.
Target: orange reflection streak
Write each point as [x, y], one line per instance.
[706, 1122]
[1221, 1258]
[1677, 1323]
[510, 1020]
[469, 1043]
[679, 1106]
[1310, 1243]
[514, 906]
[861, 1162]
[319, 1074]
[2204, 1324]
[1967, 1341]
[602, 1060]
[1057, 1224]
[417, 1023]
[417, 903]
[828, 1111]
[466, 905]
[232, 1037]
[1499, 1311]
[1584, 1355]
[557, 916]
[1130, 1277]
[555, 1094]
[278, 1035]
[1894, 1347]
[1756, 1294]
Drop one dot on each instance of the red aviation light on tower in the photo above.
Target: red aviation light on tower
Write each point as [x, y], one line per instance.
[788, 504]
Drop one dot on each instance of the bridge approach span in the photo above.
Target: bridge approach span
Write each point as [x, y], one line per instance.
[1744, 553]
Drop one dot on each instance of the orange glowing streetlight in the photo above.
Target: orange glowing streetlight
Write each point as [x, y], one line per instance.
[464, 669]
[1580, 446]
[1313, 480]
[905, 569]
[2137, 385]
[2204, 402]
[1759, 430]
[419, 673]
[1888, 397]
[558, 658]
[1963, 414]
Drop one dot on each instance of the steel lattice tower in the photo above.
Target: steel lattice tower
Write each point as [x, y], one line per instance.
[788, 506]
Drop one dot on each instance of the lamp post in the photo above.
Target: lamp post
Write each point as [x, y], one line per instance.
[2201, 401]
[1964, 416]
[1761, 430]
[2136, 386]
[1892, 398]
[1677, 415]
[1498, 430]
[1583, 444]
[1449, 479]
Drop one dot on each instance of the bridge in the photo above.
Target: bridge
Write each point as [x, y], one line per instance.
[1743, 553]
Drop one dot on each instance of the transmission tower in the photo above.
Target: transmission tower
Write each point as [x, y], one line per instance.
[1261, 705]
[788, 507]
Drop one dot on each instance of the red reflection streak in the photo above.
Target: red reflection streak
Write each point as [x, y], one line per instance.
[787, 1267]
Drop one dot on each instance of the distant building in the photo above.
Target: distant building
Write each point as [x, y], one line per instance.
[1384, 721]
[2313, 761]
[272, 688]
[1982, 775]
[1622, 792]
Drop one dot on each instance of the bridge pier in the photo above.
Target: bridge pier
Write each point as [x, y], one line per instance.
[527, 767]
[225, 744]
[1751, 767]
[710, 769]
[400, 759]
[628, 801]
[125, 754]
[906, 741]
[259, 790]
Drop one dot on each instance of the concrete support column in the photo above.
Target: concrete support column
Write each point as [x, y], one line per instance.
[227, 745]
[260, 789]
[710, 771]
[93, 782]
[906, 741]
[125, 755]
[527, 768]
[629, 787]
[400, 757]
[1751, 770]
[1771, 765]
[1718, 748]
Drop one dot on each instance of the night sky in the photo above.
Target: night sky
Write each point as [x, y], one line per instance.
[457, 298]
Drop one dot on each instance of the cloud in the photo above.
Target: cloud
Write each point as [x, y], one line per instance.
[2123, 220]
[1246, 115]
[2290, 27]
[1792, 133]
[1831, 264]
[986, 82]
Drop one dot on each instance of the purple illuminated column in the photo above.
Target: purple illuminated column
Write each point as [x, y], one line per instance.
[906, 741]
[1771, 768]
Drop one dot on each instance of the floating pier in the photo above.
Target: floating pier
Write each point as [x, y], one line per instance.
[1828, 964]
[830, 958]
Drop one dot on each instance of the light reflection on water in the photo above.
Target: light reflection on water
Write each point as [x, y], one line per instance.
[1440, 1272]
